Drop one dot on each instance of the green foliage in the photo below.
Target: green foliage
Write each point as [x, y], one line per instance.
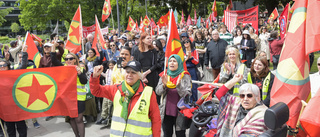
[6, 39]
[3, 13]
[15, 27]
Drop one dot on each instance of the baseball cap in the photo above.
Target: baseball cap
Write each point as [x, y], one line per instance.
[162, 38]
[135, 65]
[124, 37]
[47, 44]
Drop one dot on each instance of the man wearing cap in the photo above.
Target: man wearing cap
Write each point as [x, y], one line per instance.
[163, 41]
[49, 50]
[122, 41]
[136, 112]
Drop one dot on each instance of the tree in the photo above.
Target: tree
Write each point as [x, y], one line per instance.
[3, 13]
[15, 27]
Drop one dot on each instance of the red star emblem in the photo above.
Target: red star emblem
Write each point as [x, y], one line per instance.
[105, 9]
[36, 91]
[75, 32]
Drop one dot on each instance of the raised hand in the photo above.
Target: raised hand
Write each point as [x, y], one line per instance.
[97, 70]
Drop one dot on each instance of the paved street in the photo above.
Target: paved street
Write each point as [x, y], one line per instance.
[56, 127]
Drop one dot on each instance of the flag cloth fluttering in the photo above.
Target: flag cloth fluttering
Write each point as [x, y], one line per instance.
[291, 83]
[75, 33]
[33, 52]
[98, 37]
[131, 24]
[106, 10]
[214, 9]
[32, 93]
[274, 15]
[182, 18]
[283, 19]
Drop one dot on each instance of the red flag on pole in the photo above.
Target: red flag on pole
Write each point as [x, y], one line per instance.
[131, 24]
[166, 18]
[313, 27]
[292, 85]
[106, 11]
[153, 24]
[33, 52]
[36, 38]
[32, 93]
[173, 43]
[182, 18]
[189, 21]
[161, 21]
[283, 21]
[310, 118]
[75, 33]
[146, 22]
[98, 37]
[137, 27]
[230, 5]
[274, 15]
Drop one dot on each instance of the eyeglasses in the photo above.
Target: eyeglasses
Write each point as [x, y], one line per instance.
[248, 95]
[72, 58]
[112, 45]
[4, 65]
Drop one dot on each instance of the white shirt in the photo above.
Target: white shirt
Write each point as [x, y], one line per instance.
[314, 83]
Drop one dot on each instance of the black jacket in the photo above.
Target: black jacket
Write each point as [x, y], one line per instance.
[215, 53]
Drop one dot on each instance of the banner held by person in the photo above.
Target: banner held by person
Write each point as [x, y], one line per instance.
[32, 93]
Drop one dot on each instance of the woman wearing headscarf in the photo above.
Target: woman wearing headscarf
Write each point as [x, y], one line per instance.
[173, 85]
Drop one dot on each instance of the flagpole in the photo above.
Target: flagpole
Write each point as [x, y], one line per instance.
[4, 132]
[112, 20]
[118, 18]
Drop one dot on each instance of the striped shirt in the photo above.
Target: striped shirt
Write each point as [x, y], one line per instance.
[227, 37]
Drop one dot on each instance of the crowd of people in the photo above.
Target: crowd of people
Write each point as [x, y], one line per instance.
[129, 87]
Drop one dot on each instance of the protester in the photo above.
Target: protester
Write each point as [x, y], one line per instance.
[314, 80]
[237, 38]
[232, 66]
[215, 53]
[89, 43]
[261, 76]
[77, 123]
[142, 116]
[242, 116]
[16, 46]
[275, 46]
[201, 46]
[92, 58]
[147, 56]
[173, 85]
[255, 37]
[248, 46]
[264, 44]
[49, 50]
[161, 56]
[112, 53]
[225, 35]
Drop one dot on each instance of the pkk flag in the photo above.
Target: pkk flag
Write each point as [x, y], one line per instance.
[32, 93]
[166, 18]
[214, 9]
[182, 18]
[310, 118]
[75, 33]
[146, 22]
[106, 11]
[274, 14]
[98, 37]
[313, 26]
[36, 38]
[283, 21]
[33, 52]
[189, 22]
[173, 43]
[161, 21]
[131, 24]
[292, 85]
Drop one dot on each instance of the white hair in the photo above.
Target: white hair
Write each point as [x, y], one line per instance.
[139, 73]
[253, 88]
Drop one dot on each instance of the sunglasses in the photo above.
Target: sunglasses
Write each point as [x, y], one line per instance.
[248, 95]
[318, 64]
[4, 65]
[69, 59]
[112, 45]
[186, 42]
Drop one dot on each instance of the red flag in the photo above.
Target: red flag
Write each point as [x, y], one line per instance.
[161, 21]
[141, 25]
[230, 19]
[131, 24]
[75, 33]
[313, 27]
[166, 18]
[283, 21]
[274, 15]
[153, 24]
[146, 22]
[106, 11]
[33, 52]
[36, 38]
[137, 27]
[182, 18]
[173, 43]
[310, 118]
[98, 37]
[214, 9]
[195, 17]
[230, 5]
[293, 85]
[32, 93]
[189, 22]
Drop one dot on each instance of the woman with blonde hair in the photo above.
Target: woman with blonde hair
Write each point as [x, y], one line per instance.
[232, 66]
